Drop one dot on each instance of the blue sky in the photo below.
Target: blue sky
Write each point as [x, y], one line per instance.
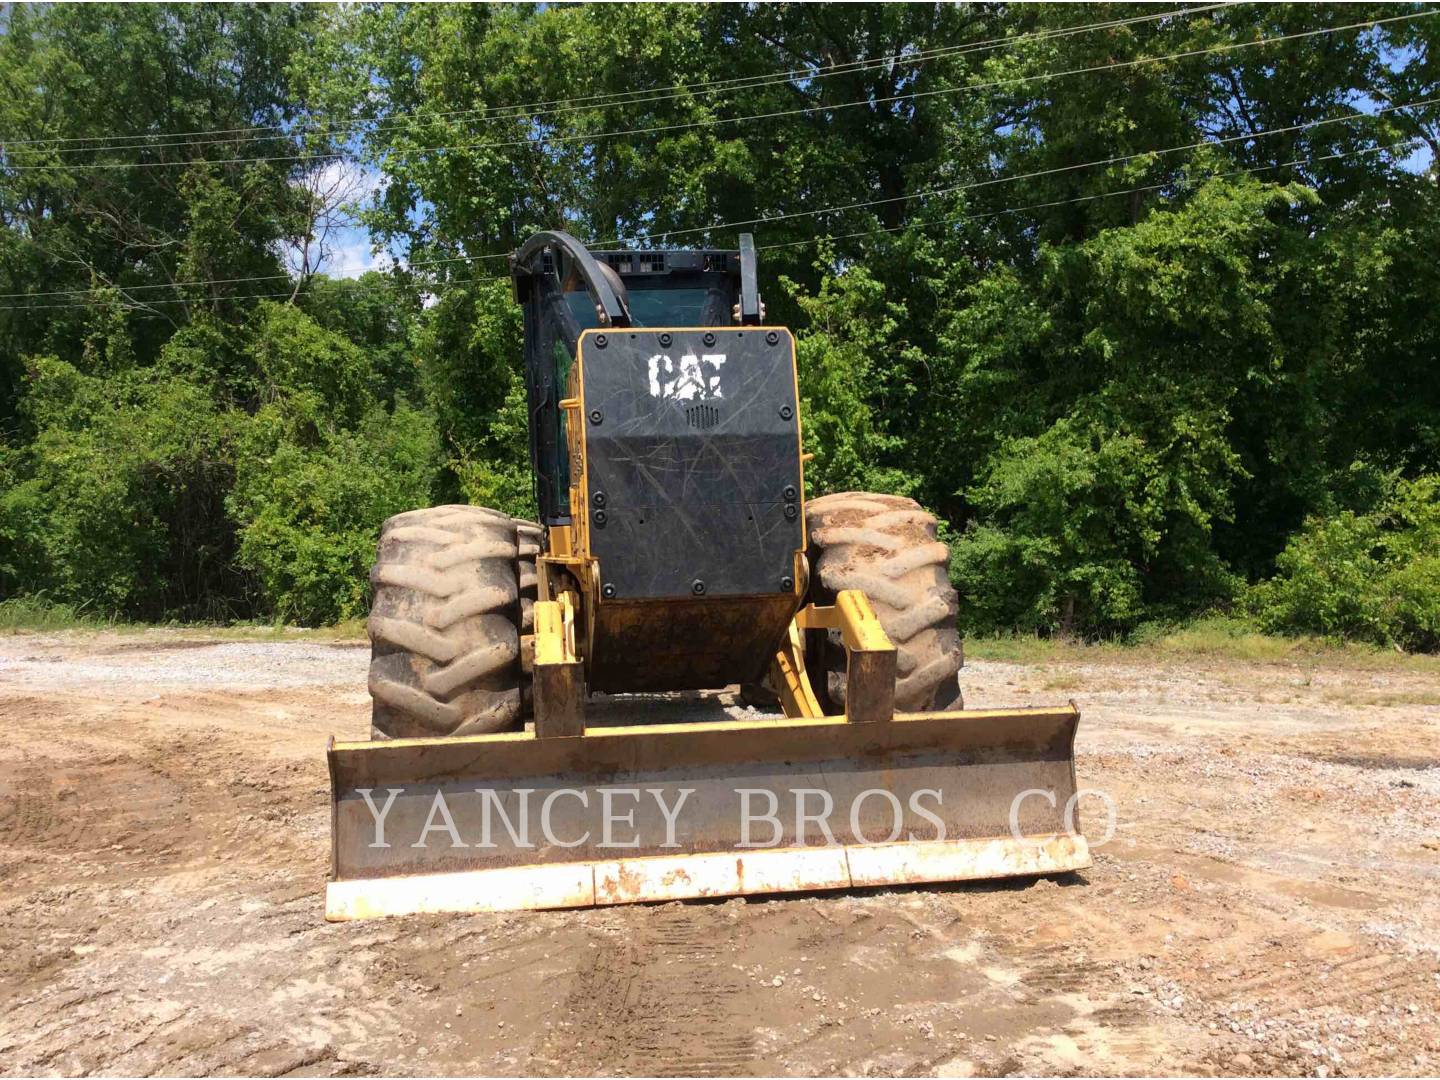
[346, 248]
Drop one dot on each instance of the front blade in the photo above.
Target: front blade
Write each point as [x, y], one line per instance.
[662, 812]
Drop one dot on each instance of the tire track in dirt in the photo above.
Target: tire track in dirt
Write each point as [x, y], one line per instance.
[1109, 1028]
[114, 817]
[32, 815]
[664, 1000]
[182, 1042]
[183, 933]
[1356, 985]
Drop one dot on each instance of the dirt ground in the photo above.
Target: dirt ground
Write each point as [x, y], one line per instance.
[1270, 901]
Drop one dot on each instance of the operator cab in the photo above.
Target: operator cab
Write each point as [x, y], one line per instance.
[566, 290]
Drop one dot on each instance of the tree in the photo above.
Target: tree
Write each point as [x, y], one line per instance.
[1133, 300]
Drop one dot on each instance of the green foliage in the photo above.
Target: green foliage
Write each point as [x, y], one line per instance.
[293, 356]
[320, 466]
[376, 315]
[205, 351]
[37, 612]
[72, 81]
[494, 470]
[309, 499]
[1131, 379]
[470, 348]
[1371, 576]
[1075, 523]
[849, 361]
[471, 343]
[1204, 639]
[1137, 341]
[116, 505]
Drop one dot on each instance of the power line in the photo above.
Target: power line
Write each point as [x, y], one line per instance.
[1119, 159]
[863, 204]
[692, 125]
[1181, 182]
[236, 280]
[532, 110]
[1114, 160]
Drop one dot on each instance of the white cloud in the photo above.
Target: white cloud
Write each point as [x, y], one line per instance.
[345, 181]
[338, 246]
[350, 254]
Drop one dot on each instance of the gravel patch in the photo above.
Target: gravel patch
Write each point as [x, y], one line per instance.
[231, 665]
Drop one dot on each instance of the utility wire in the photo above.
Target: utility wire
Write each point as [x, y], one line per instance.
[694, 124]
[533, 110]
[1181, 182]
[600, 244]
[910, 57]
[1119, 159]
[240, 280]
[638, 237]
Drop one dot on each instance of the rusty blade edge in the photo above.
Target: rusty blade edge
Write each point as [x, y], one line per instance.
[600, 883]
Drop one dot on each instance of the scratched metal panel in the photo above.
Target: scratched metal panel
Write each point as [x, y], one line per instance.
[693, 454]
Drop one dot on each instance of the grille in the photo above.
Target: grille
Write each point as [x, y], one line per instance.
[702, 416]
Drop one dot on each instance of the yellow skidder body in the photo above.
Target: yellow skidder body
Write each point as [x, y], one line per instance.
[675, 551]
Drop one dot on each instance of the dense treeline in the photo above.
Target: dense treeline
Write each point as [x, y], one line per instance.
[1138, 377]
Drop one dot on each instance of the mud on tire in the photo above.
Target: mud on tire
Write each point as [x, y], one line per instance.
[444, 624]
[887, 546]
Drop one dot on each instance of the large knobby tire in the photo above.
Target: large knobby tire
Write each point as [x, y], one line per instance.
[887, 547]
[444, 624]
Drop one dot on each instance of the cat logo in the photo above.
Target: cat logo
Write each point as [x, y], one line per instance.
[695, 378]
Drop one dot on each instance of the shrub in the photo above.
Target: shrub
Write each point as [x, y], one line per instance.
[493, 467]
[1372, 576]
[116, 505]
[309, 501]
[849, 360]
[292, 354]
[1076, 525]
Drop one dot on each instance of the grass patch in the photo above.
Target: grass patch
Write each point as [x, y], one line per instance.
[1213, 638]
[32, 614]
[1227, 638]
[1019, 648]
[1063, 682]
[39, 613]
[349, 630]
[1209, 638]
[1382, 698]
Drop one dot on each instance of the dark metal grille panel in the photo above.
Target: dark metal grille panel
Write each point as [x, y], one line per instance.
[702, 416]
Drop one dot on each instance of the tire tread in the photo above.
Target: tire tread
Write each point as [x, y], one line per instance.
[444, 624]
[887, 546]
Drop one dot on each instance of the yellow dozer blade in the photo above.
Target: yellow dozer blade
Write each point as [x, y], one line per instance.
[672, 811]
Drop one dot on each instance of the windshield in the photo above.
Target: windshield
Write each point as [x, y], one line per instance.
[656, 307]
[669, 307]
